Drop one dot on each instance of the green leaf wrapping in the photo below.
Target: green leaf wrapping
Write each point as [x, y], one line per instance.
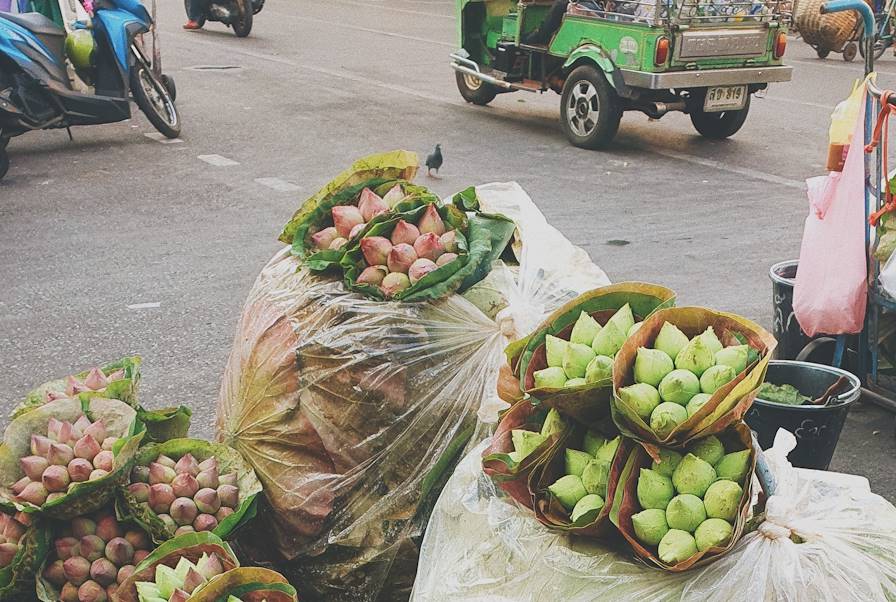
[251, 584]
[17, 579]
[165, 424]
[120, 421]
[229, 460]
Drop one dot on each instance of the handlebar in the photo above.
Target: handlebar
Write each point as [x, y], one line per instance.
[861, 6]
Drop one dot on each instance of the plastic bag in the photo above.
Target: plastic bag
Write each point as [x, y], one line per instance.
[843, 120]
[352, 411]
[481, 548]
[830, 291]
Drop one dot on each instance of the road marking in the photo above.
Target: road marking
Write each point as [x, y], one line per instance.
[743, 171]
[217, 160]
[277, 184]
[816, 105]
[154, 305]
[161, 138]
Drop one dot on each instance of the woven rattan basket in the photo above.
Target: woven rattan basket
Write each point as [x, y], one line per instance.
[829, 31]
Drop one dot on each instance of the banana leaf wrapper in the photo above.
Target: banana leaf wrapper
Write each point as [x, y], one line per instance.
[165, 424]
[190, 546]
[726, 406]
[249, 584]
[119, 419]
[481, 239]
[590, 403]
[17, 579]
[625, 502]
[229, 460]
[511, 476]
[123, 389]
[551, 513]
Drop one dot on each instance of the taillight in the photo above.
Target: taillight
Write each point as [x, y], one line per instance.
[661, 54]
[780, 45]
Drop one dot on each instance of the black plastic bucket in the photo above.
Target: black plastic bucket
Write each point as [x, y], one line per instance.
[816, 428]
[791, 339]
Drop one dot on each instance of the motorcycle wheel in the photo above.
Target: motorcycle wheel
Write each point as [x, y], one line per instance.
[243, 23]
[4, 163]
[200, 21]
[168, 82]
[154, 100]
[4, 142]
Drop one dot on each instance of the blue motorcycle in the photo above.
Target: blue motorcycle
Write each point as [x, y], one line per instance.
[38, 92]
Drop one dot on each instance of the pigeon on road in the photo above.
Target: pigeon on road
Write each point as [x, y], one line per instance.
[434, 161]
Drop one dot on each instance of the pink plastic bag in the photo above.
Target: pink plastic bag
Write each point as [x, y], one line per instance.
[830, 292]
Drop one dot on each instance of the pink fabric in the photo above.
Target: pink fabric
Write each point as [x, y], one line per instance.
[830, 293]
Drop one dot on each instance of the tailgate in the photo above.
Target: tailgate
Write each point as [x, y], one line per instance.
[721, 43]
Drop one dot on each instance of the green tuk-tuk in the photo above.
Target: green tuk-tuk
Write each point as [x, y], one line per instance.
[702, 57]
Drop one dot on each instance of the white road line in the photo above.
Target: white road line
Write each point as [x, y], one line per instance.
[743, 171]
[154, 305]
[217, 160]
[161, 139]
[804, 103]
[277, 184]
[367, 30]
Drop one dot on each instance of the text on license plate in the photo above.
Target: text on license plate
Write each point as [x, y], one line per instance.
[725, 98]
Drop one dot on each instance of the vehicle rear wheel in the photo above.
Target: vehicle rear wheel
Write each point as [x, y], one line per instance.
[4, 163]
[243, 24]
[721, 125]
[590, 110]
[154, 100]
[475, 90]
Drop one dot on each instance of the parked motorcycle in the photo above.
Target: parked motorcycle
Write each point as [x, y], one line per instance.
[237, 14]
[37, 91]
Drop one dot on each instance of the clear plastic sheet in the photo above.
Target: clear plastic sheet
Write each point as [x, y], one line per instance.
[479, 547]
[353, 412]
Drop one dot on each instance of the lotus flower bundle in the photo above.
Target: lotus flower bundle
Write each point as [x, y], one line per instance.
[92, 555]
[11, 533]
[581, 490]
[178, 583]
[349, 220]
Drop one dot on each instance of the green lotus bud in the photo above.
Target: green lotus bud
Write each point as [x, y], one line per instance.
[623, 319]
[554, 349]
[670, 340]
[608, 450]
[593, 442]
[651, 365]
[553, 424]
[713, 532]
[609, 340]
[685, 512]
[650, 526]
[715, 378]
[589, 503]
[641, 398]
[665, 417]
[575, 382]
[676, 546]
[668, 461]
[550, 378]
[568, 490]
[722, 500]
[712, 341]
[710, 450]
[697, 402]
[167, 580]
[595, 477]
[654, 490]
[584, 330]
[695, 356]
[526, 442]
[735, 356]
[633, 329]
[576, 359]
[600, 368]
[679, 386]
[693, 475]
[734, 466]
[576, 461]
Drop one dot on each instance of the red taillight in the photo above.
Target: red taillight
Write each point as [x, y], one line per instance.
[780, 45]
[661, 54]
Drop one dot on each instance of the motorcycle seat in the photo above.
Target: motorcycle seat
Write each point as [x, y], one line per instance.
[35, 23]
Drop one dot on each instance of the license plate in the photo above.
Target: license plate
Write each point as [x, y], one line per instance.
[725, 98]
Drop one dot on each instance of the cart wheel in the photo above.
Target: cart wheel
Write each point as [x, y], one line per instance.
[822, 52]
[4, 163]
[850, 51]
[475, 90]
[590, 110]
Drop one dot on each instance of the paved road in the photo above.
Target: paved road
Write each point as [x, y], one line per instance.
[115, 218]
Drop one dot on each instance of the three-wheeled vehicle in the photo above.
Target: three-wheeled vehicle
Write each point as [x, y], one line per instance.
[702, 57]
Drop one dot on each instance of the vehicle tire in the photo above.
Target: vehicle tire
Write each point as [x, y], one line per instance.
[154, 100]
[168, 82]
[475, 90]
[822, 52]
[4, 142]
[200, 21]
[590, 110]
[243, 23]
[850, 51]
[4, 164]
[718, 126]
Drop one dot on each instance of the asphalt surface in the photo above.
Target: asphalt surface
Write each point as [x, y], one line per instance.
[117, 219]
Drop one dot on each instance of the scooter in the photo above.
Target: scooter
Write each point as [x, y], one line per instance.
[37, 90]
[237, 14]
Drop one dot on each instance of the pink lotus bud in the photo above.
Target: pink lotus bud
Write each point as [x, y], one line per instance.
[192, 581]
[72, 386]
[79, 470]
[81, 424]
[394, 196]
[208, 463]
[69, 593]
[229, 495]
[54, 496]
[107, 527]
[166, 461]
[65, 432]
[56, 478]
[66, 547]
[401, 257]
[140, 555]
[92, 547]
[159, 473]
[161, 495]
[209, 566]
[185, 485]
[34, 493]
[97, 430]
[13, 529]
[445, 259]
[117, 375]
[421, 268]
[111, 590]
[103, 571]
[183, 511]
[431, 221]
[337, 244]
[40, 445]
[96, 380]
[120, 551]
[184, 529]
[109, 443]
[54, 395]
[346, 217]
[179, 595]
[449, 241]
[140, 491]
[33, 466]
[19, 486]
[105, 460]
[356, 231]
[138, 539]
[370, 204]
[60, 454]
[23, 518]
[228, 479]
[205, 522]
[98, 473]
[208, 478]
[140, 474]
[207, 501]
[428, 246]
[322, 239]
[375, 249]
[187, 464]
[394, 283]
[8, 553]
[124, 572]
[91, 591]
[54, 574]
[223, 512]
[373, 274]
[53, 426]
[403, 232]
[170, 525]
[87, 448]
[77, 569]
[82, 526]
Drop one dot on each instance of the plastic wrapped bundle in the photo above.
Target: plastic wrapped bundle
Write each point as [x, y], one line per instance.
[352, 411]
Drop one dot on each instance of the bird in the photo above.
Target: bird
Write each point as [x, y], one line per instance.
[434, 161]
